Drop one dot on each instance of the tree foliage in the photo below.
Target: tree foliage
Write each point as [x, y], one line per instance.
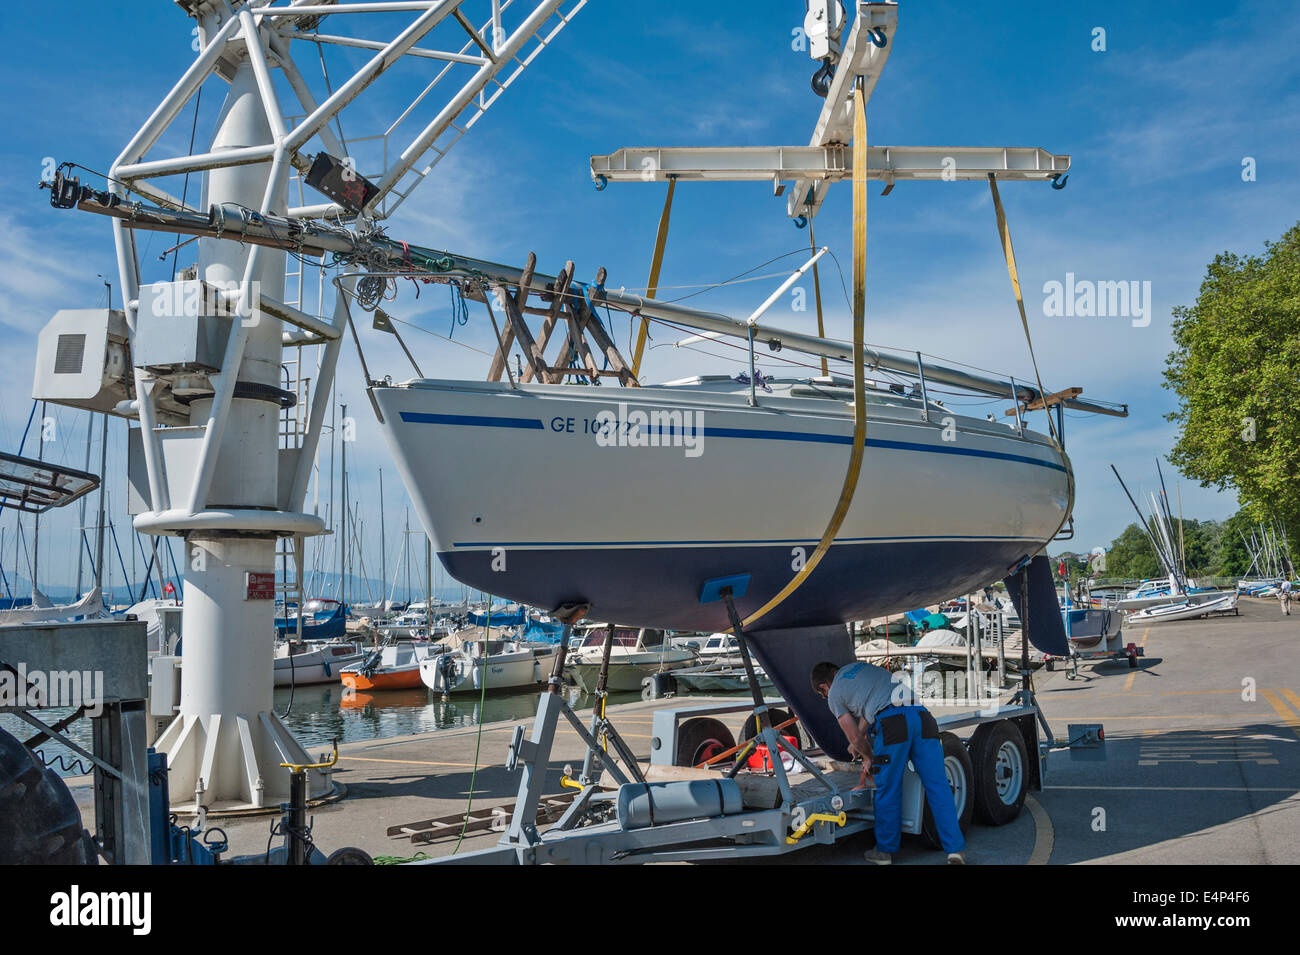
[1213, 549]
[1236, 371]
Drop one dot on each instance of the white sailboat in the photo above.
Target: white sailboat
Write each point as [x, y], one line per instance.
[930, 517]
[1186, 609]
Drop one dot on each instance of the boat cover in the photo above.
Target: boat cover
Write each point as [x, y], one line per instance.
[498, 618]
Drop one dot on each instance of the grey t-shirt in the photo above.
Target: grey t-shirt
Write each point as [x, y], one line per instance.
[861, 689]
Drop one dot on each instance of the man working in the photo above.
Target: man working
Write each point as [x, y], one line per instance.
[861, 697]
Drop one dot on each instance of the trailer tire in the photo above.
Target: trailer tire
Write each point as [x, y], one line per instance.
[997, 751]
[750, 728]
[961, 777]
[701, 738]
[40, 823]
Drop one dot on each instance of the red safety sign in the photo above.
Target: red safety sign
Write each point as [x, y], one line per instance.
[260, 586]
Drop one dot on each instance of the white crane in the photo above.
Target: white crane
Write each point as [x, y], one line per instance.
[227, 466]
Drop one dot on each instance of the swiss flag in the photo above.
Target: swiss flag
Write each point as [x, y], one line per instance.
[169, 589]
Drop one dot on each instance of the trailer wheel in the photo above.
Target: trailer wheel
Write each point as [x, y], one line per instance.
[40, 823]
[961, 775]
[1001, 772]
[750, 728]
[700, 739]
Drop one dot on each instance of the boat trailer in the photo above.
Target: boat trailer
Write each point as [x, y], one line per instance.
[692, 802]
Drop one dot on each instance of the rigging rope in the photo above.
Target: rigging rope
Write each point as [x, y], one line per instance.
[817, 290]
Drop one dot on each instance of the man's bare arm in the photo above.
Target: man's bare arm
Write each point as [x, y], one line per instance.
[858, 741]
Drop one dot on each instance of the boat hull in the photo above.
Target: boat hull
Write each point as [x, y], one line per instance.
[637, 531]
[399, 678]
[1184, 610]
[524, 668]
[323, 671]
[623, 677]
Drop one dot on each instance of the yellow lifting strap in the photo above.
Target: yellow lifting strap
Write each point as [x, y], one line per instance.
[1004, 236]
[859, 384]
[652, 286]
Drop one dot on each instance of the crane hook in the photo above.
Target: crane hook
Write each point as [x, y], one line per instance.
[821, 80]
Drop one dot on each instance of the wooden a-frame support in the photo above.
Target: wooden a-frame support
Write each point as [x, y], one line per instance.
[576, 308]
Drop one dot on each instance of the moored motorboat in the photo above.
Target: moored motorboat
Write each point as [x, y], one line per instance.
[634, 655]
[305, 664]
[395, 666]
[718, 678]
[481, 665]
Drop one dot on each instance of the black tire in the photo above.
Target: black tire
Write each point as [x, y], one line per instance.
[349, 855]
[701, 738]
[40, 823]
[956, 761]
[750, 728]
[1001, 772]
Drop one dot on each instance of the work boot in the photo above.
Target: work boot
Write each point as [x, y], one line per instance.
[956, 858]
[876, 857]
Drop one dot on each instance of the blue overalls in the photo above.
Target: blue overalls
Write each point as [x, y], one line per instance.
[903, 733]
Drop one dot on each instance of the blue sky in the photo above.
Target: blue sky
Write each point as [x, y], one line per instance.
[1157, 126]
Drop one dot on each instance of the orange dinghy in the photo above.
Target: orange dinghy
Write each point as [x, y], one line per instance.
[393, 667]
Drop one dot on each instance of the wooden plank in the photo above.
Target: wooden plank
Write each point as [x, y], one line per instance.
[607, 346]
[502, 356]
[573, 315]
[429, 830]
[503, 350]
[532, 351]
[553, 314]
[526, 281]
[1047, 401]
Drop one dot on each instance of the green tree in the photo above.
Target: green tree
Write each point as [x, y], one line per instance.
[1233, 554]
[1132, 556]
[1234, 369]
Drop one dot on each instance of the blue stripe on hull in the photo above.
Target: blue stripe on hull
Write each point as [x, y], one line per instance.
[660, 586]
[758, 434]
